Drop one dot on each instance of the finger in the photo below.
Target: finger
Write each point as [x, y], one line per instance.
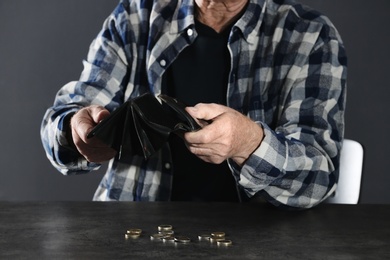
[206, 111]
[81, 124]
[209, 133]
[203, 136]
[85, 120]
[207, 155]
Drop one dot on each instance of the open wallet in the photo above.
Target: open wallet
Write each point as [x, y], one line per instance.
[142, 125]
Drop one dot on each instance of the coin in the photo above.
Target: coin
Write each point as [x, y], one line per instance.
[182, 239]
[216, 239]
[164, 227]
[131, 235]
[156, 236]
[168, 239]
[167, 232]
[134, 231]
[218, 234]
[224, 242]
[204, 237]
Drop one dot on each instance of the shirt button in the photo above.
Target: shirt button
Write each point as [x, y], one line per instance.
[163, 63]
[167, 166]
[190, 32]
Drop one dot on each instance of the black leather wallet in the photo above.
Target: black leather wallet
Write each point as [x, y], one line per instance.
[142, 125]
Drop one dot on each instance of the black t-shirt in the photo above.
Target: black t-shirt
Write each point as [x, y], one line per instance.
[200, 74]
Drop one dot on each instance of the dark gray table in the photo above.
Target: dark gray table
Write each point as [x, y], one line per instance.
[95, 230]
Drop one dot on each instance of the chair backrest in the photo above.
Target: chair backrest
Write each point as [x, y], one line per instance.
[351, 166]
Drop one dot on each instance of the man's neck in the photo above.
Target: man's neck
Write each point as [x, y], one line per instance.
[218, 14]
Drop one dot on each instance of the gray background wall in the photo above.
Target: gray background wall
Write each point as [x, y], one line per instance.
[43, 42]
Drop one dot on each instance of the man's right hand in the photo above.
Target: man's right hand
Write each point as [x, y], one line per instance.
[81, 124]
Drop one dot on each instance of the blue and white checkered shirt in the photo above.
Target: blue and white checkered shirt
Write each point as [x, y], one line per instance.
[288, 74]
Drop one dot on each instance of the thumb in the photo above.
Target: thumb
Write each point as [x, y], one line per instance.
[98, 113]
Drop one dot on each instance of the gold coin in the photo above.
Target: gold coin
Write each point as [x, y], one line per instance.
[224, 242]
[182, 239]
[164, 227]
[134, 231]
[218, 234]
[131, 235]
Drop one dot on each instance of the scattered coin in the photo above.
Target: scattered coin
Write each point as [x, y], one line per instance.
[164, 227]
[216, 239]
[225, 242]
[182, 239]
[218, 234]
[167, 232]
[134, 231]
[156, 236]
[168, 239]
[130, 235]
[204, 237]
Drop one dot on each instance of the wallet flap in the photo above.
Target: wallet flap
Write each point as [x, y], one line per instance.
[152, 124]
[129, 145]
[110, 130]
[184, 121]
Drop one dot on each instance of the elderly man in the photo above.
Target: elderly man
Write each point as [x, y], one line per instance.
[267, 76]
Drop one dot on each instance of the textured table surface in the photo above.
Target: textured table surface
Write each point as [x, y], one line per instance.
[95, 230]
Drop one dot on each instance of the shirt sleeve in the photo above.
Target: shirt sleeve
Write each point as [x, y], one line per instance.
[101, 83]
[297, 163]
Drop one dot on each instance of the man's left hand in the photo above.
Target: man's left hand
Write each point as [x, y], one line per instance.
[229, 134]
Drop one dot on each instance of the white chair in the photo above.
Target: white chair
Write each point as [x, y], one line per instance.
[351, 166]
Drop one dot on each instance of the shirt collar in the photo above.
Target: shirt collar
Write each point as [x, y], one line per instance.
[248, 24]
[183, 16]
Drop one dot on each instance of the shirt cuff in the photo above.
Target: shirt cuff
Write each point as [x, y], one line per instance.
[261, 168]
[78, 164]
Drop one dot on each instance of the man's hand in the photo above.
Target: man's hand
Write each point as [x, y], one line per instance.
[229, 135]
[81, 124]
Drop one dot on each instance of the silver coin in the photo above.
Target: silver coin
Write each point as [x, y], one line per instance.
[168, 239]
[204, 237]
[216, 239]
[167, 232]
[156, 236]
[182, 239]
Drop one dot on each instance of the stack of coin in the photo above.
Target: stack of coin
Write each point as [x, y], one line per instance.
[216, 237]
[165, 233]
[156, 236]
[133, 233]
[162, 228]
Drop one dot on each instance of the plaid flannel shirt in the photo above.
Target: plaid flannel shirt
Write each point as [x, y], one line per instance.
[288, 74]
